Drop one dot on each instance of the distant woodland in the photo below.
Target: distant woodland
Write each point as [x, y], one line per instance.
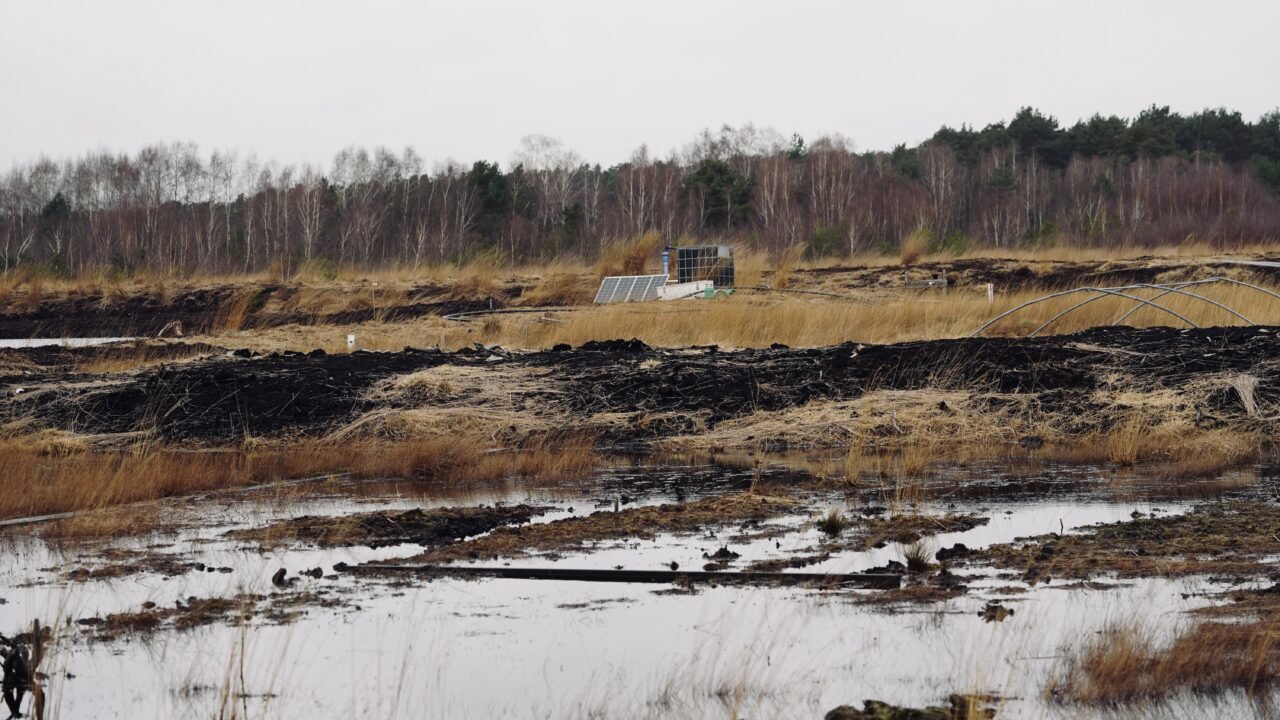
[1160, 178]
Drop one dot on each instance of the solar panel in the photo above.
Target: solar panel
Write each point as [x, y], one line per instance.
[630, 288]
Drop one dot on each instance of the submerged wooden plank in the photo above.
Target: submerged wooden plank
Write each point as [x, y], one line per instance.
[867, 580]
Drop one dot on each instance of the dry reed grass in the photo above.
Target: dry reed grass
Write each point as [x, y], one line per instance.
[46, 474]
[785, 266]
[749, 266]
[629, 257]
[332, 299]
[560, 285]
[29, 286]
[234, 311]
[1167, 448]
[752, 320]
[115, 359]
[477, 278]
[913, 246]
[1126, 663]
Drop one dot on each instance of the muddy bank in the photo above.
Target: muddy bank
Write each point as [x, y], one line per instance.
[437, 526]
[1234, 539]
[284, 605]
[1063, 381]
[958, 707]
[642, 522]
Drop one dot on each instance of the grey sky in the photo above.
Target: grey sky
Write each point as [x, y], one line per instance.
[297, 81]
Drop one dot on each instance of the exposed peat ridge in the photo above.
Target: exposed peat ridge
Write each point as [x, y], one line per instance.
[196, 309]
[1009, 274]
[1059, 379]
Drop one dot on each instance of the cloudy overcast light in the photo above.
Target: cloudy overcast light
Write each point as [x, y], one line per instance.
[297, 81]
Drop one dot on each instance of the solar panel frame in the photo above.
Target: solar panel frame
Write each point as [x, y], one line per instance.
[629, 288]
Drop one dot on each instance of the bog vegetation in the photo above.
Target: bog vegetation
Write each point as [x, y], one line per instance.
[55, 473]
[1154, 179]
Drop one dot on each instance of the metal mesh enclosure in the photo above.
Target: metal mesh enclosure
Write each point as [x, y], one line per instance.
[705, 262]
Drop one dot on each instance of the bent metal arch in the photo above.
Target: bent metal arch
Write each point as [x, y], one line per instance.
[1126, 292]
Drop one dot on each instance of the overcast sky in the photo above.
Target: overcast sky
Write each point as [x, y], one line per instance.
[297, 81]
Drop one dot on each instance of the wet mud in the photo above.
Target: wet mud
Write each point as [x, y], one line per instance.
[641, 522]
[1232, 538]
[961, 582]
[192, 612]
[437, 526]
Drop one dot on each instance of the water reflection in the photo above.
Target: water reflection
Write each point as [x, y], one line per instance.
[520, 648]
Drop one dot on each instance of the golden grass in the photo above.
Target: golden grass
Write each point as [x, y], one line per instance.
[913, 246]
[232, 313]
[478, 278]
[755, 320]
[1174, 450]
[331, 299]
[785, 265]
[629, 257]
[1126, 663]
[124, 358]
[30, 286]
[749, 319]
[560, 284]
[48, 474]
[748, 266]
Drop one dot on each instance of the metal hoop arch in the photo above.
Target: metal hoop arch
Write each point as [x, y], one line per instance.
[1167, 291]
[1139, 302]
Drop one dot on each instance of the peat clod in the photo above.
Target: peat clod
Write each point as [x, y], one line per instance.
[994, 612]
[959, 550]
[724, 554]
[958, 707]
[433, 527]
[893, 567]
[615, 346]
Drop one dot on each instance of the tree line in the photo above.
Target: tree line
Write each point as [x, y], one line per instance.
[1157, 179]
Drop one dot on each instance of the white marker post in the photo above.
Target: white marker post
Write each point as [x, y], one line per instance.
[991, 293]
[351, 343]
